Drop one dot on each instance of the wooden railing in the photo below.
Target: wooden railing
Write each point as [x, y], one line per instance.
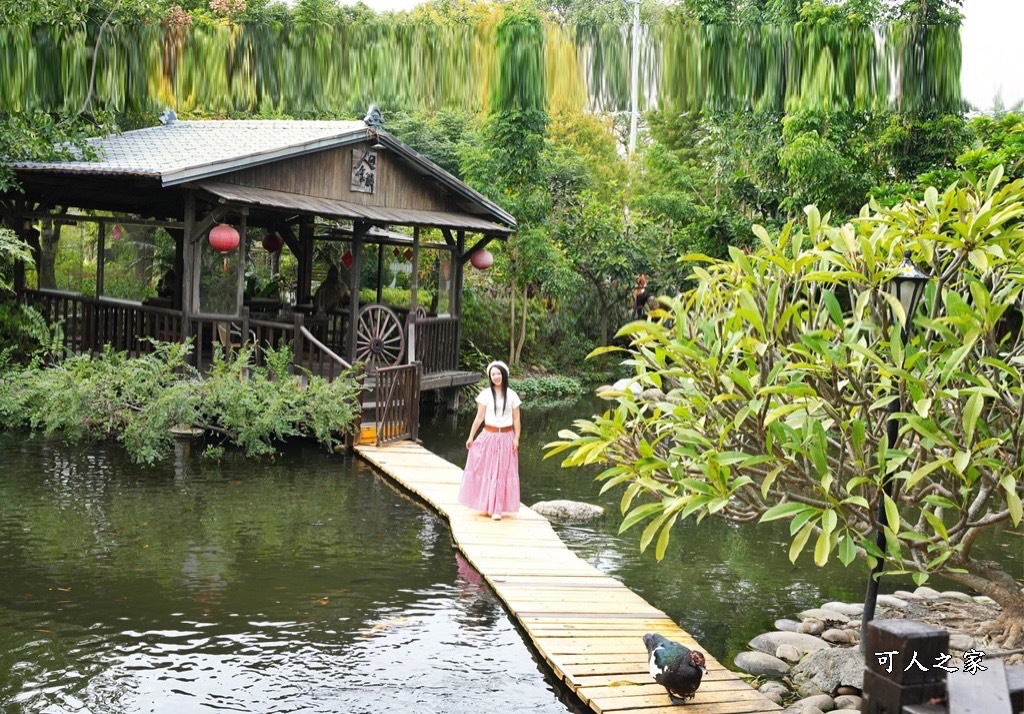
[894, 684]
[437, 343]
[90, 323]
[397, 403]
[315, 356]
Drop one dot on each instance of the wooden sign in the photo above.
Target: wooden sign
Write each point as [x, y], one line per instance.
[364, 170]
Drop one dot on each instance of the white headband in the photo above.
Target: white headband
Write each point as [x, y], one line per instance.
[496, 363]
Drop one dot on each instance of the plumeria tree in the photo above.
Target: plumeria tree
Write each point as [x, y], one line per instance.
[767, 389]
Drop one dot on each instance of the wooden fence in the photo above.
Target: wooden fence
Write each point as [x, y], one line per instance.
[437, 343]
[396, 403]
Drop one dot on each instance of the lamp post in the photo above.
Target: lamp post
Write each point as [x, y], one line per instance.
[907, 287]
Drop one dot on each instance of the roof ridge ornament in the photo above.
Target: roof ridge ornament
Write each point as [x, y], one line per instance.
[168, 117]
[374, 119]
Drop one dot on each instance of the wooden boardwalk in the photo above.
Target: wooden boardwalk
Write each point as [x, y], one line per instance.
[586, 625]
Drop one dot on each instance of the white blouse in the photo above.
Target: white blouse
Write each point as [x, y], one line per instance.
[500, 416]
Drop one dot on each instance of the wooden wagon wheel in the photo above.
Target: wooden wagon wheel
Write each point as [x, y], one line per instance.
[421, 312]
[380, 338]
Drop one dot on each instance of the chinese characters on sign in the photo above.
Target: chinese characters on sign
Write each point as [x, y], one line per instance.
[972, 661]
[364, 170]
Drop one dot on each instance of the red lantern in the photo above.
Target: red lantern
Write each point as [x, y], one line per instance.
[408, 253]
[272, 242]
[116, 232]
[347, 260]
[482, 259]
[223, 238]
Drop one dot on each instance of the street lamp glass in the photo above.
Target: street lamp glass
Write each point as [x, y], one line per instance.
[908, 287]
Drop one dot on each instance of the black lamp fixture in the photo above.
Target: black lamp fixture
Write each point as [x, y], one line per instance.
[907, 286]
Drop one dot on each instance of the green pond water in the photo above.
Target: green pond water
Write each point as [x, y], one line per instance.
[309, 584]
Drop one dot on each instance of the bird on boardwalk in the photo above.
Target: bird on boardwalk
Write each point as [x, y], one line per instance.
[675, 667]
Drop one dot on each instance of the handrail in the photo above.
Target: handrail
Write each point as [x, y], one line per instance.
[306, 334]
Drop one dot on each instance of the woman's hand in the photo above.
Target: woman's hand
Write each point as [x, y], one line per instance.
[515, 444]
[469, 442]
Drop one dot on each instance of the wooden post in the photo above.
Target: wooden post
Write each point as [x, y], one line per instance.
[358, 231]
[298, 343]
[189, 273]
[101, 257]
[456, 303]
[414, 294]
[240, 277]
[899, 670]
[380, 272]
[178, 266]
[304, 287]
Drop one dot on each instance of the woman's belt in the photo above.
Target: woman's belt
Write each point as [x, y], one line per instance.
[488, 427]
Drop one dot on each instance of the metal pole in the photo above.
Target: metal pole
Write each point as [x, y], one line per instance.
[635, 76]
[871, 596]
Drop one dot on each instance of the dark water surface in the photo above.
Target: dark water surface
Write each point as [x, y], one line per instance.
[306, 585]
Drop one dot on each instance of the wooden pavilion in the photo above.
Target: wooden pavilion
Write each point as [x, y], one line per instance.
[306, 182]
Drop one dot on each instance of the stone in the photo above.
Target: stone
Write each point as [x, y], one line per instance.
[849, 701]
[984, 599]
[769, 642]
[760, 664]
[927, 593]
[957, 595]
[830, 669]
[774, 696]
[789, 653]
[773, 687]
[652, 395]
[850, 609]
[906, 595]
[565, 510]
[822, 701]
[818, 613]
[891, 601]
[811, 627]
[838, 637]
[960, 643]
[797, 709]
[853, 691]
[786, 625]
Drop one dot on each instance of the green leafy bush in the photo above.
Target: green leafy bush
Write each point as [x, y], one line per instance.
[137, 401]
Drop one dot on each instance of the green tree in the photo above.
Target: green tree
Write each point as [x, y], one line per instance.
[775, 375]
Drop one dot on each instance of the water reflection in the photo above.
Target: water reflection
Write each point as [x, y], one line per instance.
[304, 585]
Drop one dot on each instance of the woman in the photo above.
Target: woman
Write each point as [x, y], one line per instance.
[490, 482]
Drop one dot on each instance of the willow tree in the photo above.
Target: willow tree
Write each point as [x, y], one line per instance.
[769, 385]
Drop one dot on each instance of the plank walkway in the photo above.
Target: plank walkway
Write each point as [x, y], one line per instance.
[586, 625]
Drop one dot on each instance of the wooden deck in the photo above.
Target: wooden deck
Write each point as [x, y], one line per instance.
[586, 625]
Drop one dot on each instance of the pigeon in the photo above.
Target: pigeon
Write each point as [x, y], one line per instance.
[675, 667]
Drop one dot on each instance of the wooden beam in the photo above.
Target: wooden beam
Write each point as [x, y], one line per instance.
[358, 231]
[240, 276]
[285, 229]
[80, 218]
[304, 289]
[414, 294]
[479, 245]
[101, 258]
[215, 214]
[448, 237]
[190, 268]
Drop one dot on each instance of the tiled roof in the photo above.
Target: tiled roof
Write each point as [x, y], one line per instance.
[186, 150]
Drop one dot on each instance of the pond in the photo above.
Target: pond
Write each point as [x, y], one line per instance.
[304, 585]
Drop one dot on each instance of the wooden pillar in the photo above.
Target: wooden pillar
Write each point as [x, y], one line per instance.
[240, 277]
[892, 680]
[358, 230]
[304, 288]
[413, 294]
[458, 265]
[190, 266]
[101, 257]
[380, 272]
[178, 266]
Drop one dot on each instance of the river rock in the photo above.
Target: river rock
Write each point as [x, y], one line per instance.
[652, 395]
[849, 701]
[770, 642]
[799, 709]
[775, 696]
[818, 613]
[891, 601]
[789, 653]
[829, 669]
[773, 687]
[927, 593]
[960, 643]
[852, 691]
[786, 625]
[822, 701]
[760, 664]
[811, 627]
[906, 595]
[564, 510]
[957, 595]
[850, 609]
[838, 637]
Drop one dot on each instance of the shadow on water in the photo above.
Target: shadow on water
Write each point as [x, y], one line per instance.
[722, 583]
[307, 584]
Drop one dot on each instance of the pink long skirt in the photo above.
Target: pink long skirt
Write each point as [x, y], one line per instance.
[490, 483]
